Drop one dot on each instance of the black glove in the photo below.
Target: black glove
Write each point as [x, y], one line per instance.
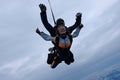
[42, 7]
[37, 31]
[79, 15]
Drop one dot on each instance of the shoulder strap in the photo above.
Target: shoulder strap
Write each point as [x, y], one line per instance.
[57, 40]
[70, 37]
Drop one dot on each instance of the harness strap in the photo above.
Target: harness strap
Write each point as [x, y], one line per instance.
[59, 45]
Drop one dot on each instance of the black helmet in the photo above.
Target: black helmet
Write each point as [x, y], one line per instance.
[60, 21]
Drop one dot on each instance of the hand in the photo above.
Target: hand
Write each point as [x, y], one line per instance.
[37, 31]
[42, 7]
[79, 15]
[81, 26]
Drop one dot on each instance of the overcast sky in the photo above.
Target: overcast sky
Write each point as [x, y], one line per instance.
[23, 53]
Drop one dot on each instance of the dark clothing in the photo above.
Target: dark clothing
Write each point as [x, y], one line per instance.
[51, 29]
[62, 48]
[66, 55]
[63, 55]
[47, 25]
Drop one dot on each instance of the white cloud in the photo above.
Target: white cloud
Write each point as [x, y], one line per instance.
[13, 67]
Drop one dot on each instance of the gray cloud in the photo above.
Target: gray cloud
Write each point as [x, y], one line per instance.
[23, 53]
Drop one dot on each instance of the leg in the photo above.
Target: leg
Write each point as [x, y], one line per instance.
[51, 55]
[55, 62]
[50, 58]
[71, 57]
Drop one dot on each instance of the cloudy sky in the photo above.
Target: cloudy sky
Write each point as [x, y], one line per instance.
[23, 53]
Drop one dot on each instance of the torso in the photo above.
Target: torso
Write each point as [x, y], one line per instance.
[64, 43]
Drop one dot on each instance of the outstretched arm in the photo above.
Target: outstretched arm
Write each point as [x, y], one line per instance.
[76, 33]
[44, 35]
[77, 23]
[45, 22]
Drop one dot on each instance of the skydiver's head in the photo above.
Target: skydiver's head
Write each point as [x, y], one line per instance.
[61, 30]
[59, 22]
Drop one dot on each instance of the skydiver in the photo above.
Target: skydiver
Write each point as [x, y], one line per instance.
[63, 42]
[50, 28]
